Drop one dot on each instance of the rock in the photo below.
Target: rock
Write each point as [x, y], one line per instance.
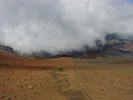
[101, 89]
[22, 94]
[80, 84]
[30, 87]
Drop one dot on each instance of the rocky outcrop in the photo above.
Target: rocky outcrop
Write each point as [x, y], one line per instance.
[6, 49]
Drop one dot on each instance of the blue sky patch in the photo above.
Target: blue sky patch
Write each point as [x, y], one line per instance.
[130, 1]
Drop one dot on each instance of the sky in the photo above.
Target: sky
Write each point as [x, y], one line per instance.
[130, 1]
[58, 26]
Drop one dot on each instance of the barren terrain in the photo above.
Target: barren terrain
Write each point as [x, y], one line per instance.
[26, 78]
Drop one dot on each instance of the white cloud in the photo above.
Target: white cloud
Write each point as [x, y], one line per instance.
[61, 25]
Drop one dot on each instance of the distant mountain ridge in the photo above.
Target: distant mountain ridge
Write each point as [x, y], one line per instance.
[117, 46]
[114, 46]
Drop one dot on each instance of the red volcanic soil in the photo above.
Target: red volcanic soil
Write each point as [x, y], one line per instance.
[25, 78]
[14, 60]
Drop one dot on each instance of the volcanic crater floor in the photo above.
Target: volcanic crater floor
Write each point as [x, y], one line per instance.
[77, 79]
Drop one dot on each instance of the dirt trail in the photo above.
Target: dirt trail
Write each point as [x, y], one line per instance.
[65, 78]
[63, 85]
[70, 84]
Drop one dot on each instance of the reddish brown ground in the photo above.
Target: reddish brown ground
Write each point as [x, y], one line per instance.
[24, 78]
[17, 61]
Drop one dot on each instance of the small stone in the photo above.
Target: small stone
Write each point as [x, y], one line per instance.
[80, 84]
[101, 90]
[22, 94]
[30, 87]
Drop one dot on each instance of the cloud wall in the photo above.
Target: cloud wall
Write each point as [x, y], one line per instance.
[62, 25]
